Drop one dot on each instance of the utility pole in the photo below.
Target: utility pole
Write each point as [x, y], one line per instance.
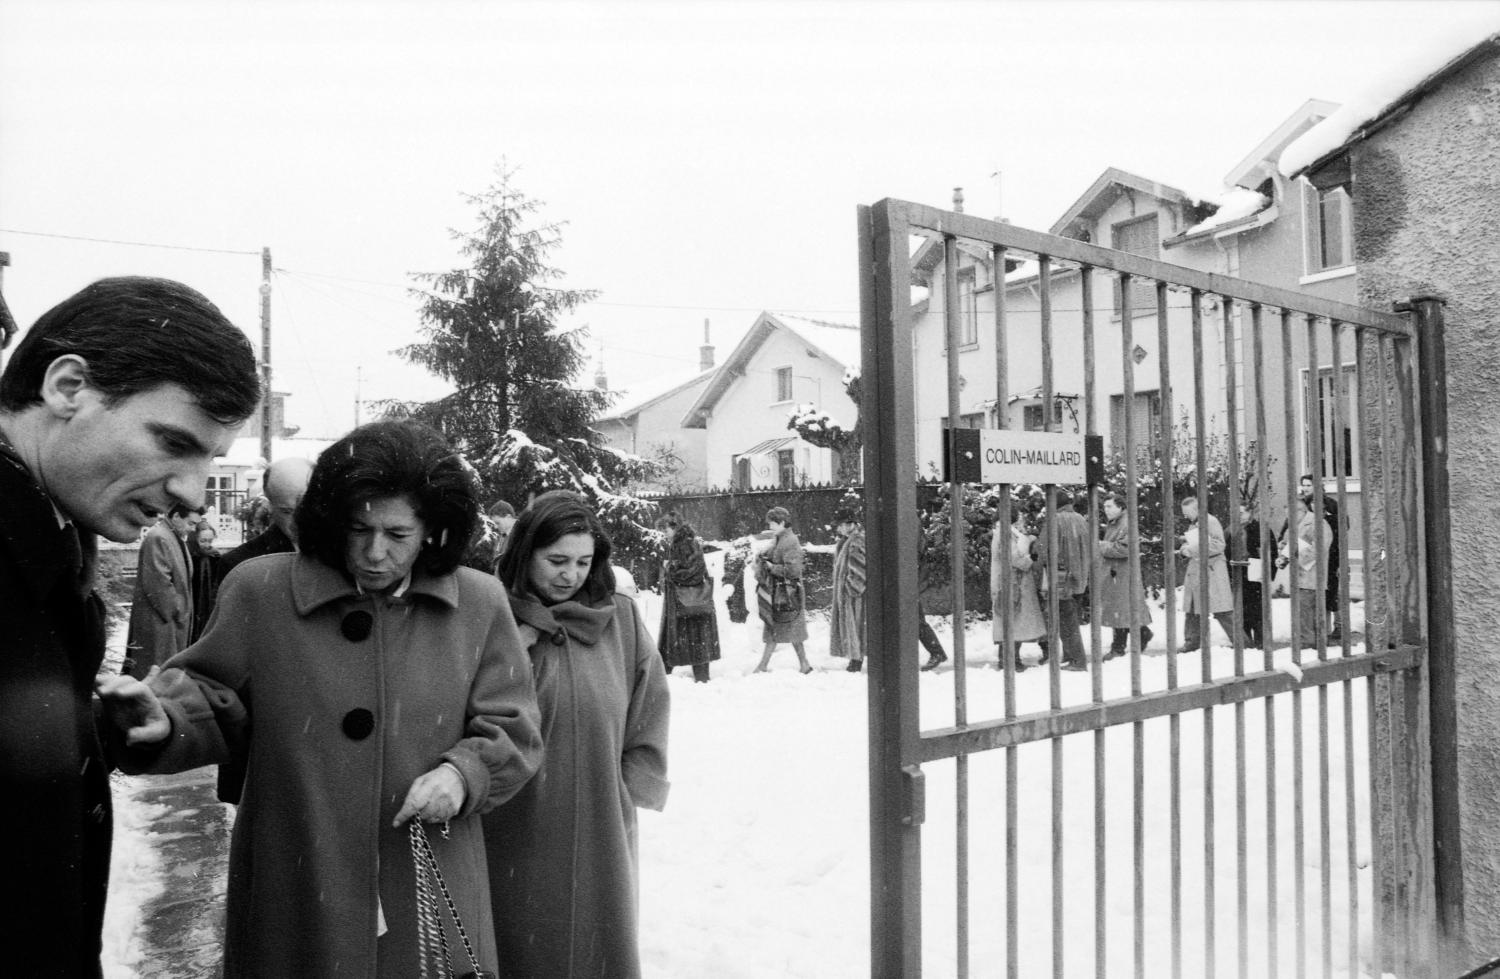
[265, 356]
[358, 377]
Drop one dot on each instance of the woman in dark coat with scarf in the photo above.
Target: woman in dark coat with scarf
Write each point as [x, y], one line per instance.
[205, 577]
[686, 638]
[778, 569]
[365, 680]
[562, 853]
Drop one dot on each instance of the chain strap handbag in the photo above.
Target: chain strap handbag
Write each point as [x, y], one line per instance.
[432, 940]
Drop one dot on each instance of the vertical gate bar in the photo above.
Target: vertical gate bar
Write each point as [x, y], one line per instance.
[1351, 816]
[1096, 673]
[1441, 639]
[1390, 751]
[1376, 773]
[1267, 563]
[952, 307]
[1007, 661]
[1169, 580]
[1340, 395]
[1318, 467]
[1237, 536]
[1044, 280]
[890, 514]
[1289, 404]
[1203, 608]
[1414, 746]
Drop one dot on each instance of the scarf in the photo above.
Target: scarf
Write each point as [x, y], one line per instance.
[582, 623]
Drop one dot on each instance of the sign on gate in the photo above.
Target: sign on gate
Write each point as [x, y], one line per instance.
[995, 455]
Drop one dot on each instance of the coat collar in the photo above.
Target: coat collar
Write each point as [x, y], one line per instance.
[29, 528]
[315, 584]
[583, 623]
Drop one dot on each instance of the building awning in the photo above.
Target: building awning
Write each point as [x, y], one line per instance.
[766, 447]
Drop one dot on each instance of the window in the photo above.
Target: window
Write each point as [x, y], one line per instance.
[783, 384]
[1326, 228]
[1032, 417]
[742, 473]
[1138, 236]
[972, 420]
[786, 468]
[218, 492]
[1340, 435]
[968, 309]
[1144, 420]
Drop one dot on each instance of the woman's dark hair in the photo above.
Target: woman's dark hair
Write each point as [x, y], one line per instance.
[1117, 499]
[387, 459]
[845, 514]
[136, 334]
[546, 520]
[780, 515]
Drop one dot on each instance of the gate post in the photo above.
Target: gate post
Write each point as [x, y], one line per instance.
[1432, 405]
[887, 416]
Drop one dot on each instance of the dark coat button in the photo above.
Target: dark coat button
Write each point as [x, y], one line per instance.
[358, 724]
[356, 626]
[559, 637]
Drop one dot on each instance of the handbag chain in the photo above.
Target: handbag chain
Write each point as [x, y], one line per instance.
[432, 940]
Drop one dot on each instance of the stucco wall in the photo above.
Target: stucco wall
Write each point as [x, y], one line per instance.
[1427, 221]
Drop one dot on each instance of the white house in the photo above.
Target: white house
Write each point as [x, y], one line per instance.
[782, 361]
[649, 424]
[1260, 227]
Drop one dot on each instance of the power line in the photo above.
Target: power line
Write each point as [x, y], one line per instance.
[134, 244]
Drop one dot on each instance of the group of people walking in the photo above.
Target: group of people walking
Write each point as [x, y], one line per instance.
[361, 681]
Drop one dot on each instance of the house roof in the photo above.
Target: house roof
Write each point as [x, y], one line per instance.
[768, 446]
[1110, 185]
[1385, 100]
[245, 452]
[642, 396]
[1259, 165]
[836, 342]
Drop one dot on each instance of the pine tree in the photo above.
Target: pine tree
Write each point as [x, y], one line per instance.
[491, 328]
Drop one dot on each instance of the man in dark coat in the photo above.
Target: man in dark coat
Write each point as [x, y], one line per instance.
[112, 409]
[1074, 561]
[285, 482]
[161, 610]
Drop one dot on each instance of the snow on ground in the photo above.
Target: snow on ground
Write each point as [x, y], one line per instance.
[759, 866]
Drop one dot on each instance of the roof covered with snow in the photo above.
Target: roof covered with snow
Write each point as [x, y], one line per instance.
[1407, 77]
[639, 397]
[245, 452]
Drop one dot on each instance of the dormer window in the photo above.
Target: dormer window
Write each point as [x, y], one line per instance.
[1138, 236]
[1326, 228]
[968, 309]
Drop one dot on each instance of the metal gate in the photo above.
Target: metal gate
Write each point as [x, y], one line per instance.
[1254, 812]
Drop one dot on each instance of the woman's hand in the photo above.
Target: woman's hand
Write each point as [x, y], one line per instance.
[435, 797]
[133, 708]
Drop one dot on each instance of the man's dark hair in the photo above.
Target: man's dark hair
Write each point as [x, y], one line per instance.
[381, 460]
[136, 334]
[547, 519]
[181, 510]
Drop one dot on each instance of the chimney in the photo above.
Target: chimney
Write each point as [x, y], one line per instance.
[958, 199]
[705, 352]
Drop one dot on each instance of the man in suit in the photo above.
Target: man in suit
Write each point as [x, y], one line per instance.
[286, 481]
[112, 409]
[161, 610]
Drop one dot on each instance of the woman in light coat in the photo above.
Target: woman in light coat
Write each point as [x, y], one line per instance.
[1014, 553]
[846, 622]
[1121, 607]
[780, 565]
[562, 853]
[1312, 572]
[1220, 597]
[365, 680]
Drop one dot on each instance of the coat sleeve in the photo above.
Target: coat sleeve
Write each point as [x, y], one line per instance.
[205, 691]
[502, 748]
[160, 586]
[687, 567]
[643, 761]
[855, 581]
[1114, 546]
[1215, 537]
[786, 558]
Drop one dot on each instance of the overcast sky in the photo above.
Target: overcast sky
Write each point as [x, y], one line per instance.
[707, 157]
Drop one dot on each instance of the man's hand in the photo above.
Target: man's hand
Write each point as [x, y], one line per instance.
[132, 707]
[435, 797]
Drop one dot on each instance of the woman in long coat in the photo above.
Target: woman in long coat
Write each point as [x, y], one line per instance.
[1312, 572]
[846, 622]
[1220, 597]
[685, 640]
[781, 564]
[1121, 607]
[369, 679]
[562, 853]
[1013, 553]
[205, 574]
